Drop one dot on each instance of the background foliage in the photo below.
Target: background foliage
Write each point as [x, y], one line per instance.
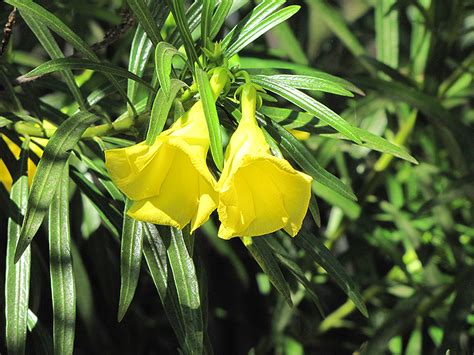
[407, 242]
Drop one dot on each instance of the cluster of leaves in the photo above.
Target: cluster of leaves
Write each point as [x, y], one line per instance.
[406, 238]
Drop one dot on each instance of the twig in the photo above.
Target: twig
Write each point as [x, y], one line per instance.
[7, 30]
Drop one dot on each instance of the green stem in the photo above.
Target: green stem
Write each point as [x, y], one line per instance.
[124, 124]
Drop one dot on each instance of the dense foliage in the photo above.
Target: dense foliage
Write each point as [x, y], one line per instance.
[371, 98]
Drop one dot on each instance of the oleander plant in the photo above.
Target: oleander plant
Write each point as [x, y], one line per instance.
[237, 177]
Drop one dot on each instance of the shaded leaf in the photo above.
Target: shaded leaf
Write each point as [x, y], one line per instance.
[48, 174]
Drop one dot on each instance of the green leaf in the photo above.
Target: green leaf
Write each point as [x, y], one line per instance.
[307, 82]
[164, 54]
[84, 294]
[4, 121]
[46, 18]
[294, 268]
[63, 293]
[251, 21]
[430, 106]
[17, 275]
[267, 261]
[338, 25]
[259, 63]
[77, 63]
[248, 35]
[212, 119]
[328, 262]
[193, 15]
[380, 144]
[48, 174]
[310, 105]
[131, 247]
[154, 251]
[206, 19]
[386, 30]
[187, 287]
[288, 118]
[52, 48]
[314, 210]
[43, 345]
[288, 43]
[177, 9]
[145, 18]
[108, 213]
[304, 158]
[160, 109]
[219, 17]
[140, 51]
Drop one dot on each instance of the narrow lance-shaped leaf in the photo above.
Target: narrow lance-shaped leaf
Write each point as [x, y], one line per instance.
[380, 144]
[206, 20]
[52, 48]
[164, 54]
[338, 25]
[56, 25]
[310, 105]
[63, 288]
[43, 344]
[267, 261]
[219, 17]
[386, 30]
[212, 119]
[248, 23]
[140, 51]
[259, 63]
[131, 246]
[48, 174]
[307, 82]
[303, 157]
[160, 109]
[78, 63]
[145, 18]
[52, 21]
[17, 276]
[177, 8]
[245, 38]
[294, 268]
[154, 251]
[328, 262]
[187, 287]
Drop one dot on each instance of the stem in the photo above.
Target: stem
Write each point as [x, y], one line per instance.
[123, 124]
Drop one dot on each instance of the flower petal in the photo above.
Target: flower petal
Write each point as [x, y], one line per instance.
[263, 194]
[140, 169]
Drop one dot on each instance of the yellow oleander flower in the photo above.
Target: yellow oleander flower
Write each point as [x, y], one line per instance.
[169, 181]
[5, 176]
[258, 192]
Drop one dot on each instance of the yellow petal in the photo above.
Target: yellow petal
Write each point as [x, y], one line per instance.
[168, 181]
[5, 177]
[258, 193]
[263, 195]
[140, 169]
[186, 192]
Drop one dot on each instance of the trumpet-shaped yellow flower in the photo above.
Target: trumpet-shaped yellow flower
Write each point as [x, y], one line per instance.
[5, 176]
[169, 181]
[258, 192]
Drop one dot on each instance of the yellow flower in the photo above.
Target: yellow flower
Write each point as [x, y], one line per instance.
[169, 181]
[5, 176]
[258, 192]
